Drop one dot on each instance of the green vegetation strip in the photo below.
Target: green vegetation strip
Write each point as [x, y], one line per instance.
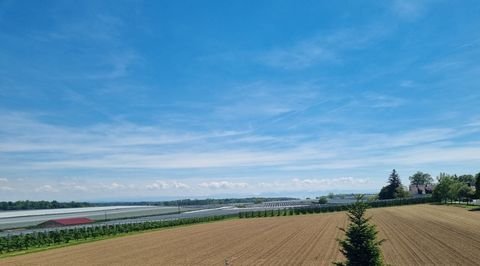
[38, 241]
[332, 208]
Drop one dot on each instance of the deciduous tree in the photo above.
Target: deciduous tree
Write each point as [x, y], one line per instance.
[420, 178]
[467, 179]
[323, 200]
[477, 186]
[442, 189]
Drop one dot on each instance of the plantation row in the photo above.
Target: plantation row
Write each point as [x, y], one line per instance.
[62, 236]
[332, 208]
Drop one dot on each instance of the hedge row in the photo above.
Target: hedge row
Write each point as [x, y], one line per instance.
[12, 243]
[331, 208]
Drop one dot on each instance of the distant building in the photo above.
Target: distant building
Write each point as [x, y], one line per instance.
[65, 222]
[421, 189]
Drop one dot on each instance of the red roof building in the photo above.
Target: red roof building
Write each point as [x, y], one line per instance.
[66, 222]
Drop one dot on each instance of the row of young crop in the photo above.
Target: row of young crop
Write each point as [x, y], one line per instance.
[331, 208]
[21, 242]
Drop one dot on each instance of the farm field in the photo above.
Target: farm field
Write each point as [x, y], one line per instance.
[15, 219]
[416, 235]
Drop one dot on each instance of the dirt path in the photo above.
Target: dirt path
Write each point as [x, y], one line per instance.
[417, 235]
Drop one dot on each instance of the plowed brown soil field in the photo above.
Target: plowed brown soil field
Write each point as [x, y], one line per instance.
[416, 235]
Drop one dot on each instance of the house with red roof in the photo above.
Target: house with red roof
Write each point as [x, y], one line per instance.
[66, 222]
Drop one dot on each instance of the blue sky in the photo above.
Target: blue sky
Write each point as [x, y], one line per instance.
[133, 100]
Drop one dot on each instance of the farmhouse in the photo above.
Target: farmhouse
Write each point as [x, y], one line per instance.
[421, 189]
[65, 222]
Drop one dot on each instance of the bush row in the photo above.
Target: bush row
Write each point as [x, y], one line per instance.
[331, 208]
[12, 243]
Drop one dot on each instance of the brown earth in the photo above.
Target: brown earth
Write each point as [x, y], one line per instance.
[416, 235]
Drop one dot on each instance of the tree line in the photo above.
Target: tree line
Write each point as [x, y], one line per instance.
[42, 204]
[35, 205]
[332, 208]
[457, 188]
[14, 243]
[447, 188]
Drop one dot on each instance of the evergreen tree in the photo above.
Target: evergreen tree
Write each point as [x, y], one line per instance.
[394, 189]
[394, 179]
[360, 246]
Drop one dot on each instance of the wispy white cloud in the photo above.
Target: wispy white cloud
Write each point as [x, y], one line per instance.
[79, 188]
[46, 188]
[95, 139]
[326, 183]
[90, 47]
[295, 184]
[443, 65]
[114, 186]
[224, 185]
[115, 65]
[474, 123]
[162, 185]
[180, 185]
[5, 188]
[321, 48]
[132, 147]
[301, 55]
[352, 97]
[91, 27]
[263, 99]
[157, 185]
[186, 160]
[168, 187]
[383, 101]
[3, 184]
[409, 9]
